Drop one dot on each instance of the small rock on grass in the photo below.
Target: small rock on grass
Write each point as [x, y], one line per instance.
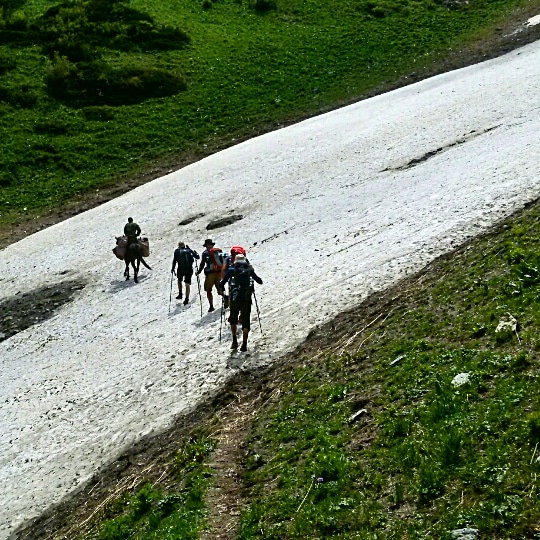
[460, 379]
[465, 534]
[354, 417]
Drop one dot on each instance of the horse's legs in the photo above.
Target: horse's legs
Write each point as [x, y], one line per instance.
[136, 270]
[126, 271]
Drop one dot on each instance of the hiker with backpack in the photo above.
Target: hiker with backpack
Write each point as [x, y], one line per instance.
[240, 277]
[212, 262]
[229, 259]
[184, 256]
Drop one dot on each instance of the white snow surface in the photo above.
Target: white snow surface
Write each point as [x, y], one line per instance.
[329, 218]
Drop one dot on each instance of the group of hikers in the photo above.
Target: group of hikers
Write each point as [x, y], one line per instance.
[219, 270]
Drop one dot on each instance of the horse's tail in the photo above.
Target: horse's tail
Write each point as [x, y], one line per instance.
[145, 264]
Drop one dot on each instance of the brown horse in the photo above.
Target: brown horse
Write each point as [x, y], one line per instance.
[133, 255]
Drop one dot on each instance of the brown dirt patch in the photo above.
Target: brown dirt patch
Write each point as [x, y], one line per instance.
[25, 309]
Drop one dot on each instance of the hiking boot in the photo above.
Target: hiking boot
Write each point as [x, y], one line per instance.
[186, 301]
[225, 301]
[243, 348]
[234, 343]
[179, 297]
[210, 309]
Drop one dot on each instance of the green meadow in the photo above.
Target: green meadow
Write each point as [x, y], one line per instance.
[95, 92]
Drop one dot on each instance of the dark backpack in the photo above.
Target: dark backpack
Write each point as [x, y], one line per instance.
[184, 258]
[241, 283]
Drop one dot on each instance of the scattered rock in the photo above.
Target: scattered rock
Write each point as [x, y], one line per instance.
[354, 417]
[460, 379]
[465, 534]
[398, 359]
[509, 322]
[191, 219]
[223, 222]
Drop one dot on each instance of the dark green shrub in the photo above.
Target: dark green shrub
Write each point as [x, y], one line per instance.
[76, 30]
[193, 453]
[515, 255]
[6, 179]
[72, 47]
[22, 97]
[534, 427]
[17, 22]
[119, 529]
[59, 76]
[97, 83]
[52, 126]
[263, 6]
[159, 37]
[9, 6]
[451, 442]
[207, 4]
[430, 482]
[98, 113]
[168, 504]
[6, 63]
[528, 272]
[398, 426]
[521, 361]
[503, 336]
[143, 501]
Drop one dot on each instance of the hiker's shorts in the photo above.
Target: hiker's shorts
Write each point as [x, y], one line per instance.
[211, 279]
[185, 275]
[242, 308]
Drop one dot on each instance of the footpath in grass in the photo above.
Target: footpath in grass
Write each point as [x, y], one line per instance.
[414, 415]
[99, 95]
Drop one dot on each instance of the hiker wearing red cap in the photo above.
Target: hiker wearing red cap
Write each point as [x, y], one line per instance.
[241, 276]
[229, 259]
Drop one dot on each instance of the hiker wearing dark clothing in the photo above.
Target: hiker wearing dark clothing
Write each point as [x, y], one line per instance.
[241, 276]
[212, 263]
[131, 231]
[184, 257]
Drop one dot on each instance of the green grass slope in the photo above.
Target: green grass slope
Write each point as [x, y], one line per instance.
[95, 91]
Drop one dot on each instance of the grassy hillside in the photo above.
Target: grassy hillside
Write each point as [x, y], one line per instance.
[95, 92]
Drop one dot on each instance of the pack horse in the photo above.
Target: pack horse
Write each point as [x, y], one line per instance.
[133, 254]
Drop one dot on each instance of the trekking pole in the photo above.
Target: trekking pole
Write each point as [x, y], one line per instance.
[258, 312]
[221, 319]
[199, 287]
[170, 294]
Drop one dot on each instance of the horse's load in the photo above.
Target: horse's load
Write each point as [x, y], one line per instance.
[145, 244]
[122, 243]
